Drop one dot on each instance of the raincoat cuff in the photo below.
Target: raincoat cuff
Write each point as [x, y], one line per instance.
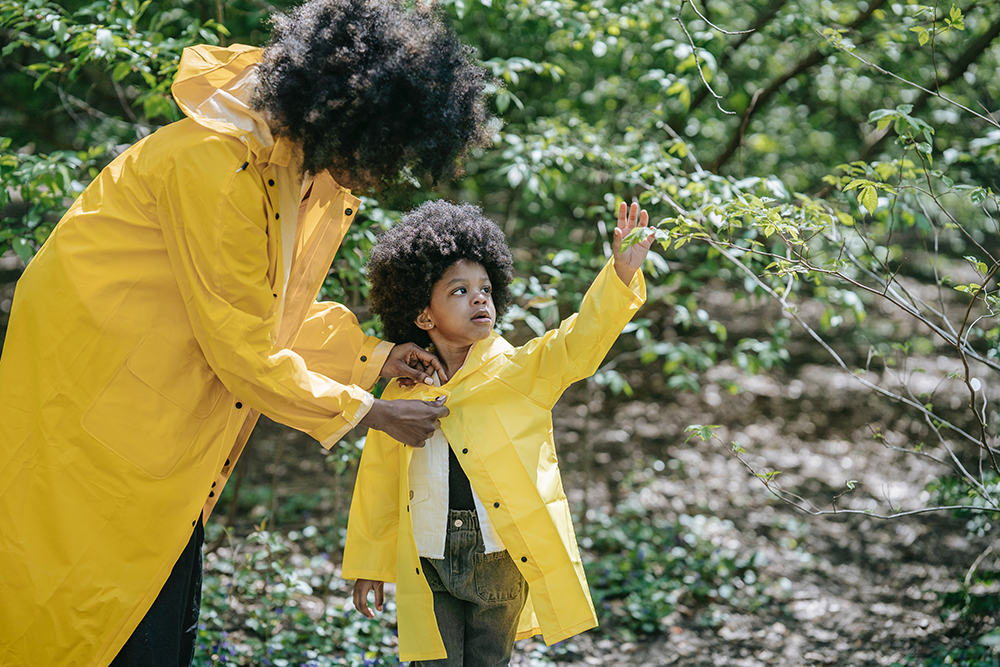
[635, 291]
[331, 433]
[351, 573]
[369, 362]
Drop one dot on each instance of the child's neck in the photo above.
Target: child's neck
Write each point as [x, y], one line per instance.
[452, 356]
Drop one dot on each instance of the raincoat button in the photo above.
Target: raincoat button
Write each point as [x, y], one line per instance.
[524, 559]
[194, 523]
[211, 494]
[418, 570]
[364, 358]
[227, 462]
[496, 504]
[349, 211]
[270, 182]
[407, 508]
[213, 485]
[277, 216]
[465, 451]
[239, 406]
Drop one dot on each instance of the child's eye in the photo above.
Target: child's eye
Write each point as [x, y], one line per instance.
[487, 289]
[460, 290]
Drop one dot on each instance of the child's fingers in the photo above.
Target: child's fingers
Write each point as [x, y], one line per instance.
[644, 219]
[379, 597]
[361, 600]
[633, 215]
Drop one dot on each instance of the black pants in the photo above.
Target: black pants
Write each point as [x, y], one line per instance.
[166, 634]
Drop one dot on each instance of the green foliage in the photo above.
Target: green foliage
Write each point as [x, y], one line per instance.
[59, 54]
[137, 42]
[38, 187]
[979, 654]
[275, 600]
[642, 568]
[958, 491]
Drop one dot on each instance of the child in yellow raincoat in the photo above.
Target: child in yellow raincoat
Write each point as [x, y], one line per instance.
[474, 527]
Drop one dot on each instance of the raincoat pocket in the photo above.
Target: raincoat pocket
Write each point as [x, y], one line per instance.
[152, 409]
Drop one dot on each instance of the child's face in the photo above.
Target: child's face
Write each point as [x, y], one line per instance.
[461, 310]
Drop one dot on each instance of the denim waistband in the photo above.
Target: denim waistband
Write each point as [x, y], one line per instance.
[468, 519]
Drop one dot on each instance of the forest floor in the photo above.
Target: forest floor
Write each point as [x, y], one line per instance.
[859, 591]
[847, 590]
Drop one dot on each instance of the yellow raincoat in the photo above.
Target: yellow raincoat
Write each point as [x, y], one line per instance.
[170, 305]
[500, 428]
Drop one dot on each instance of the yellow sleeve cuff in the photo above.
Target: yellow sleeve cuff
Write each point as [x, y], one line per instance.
[334, 430]
[370, 360]
[635, 290]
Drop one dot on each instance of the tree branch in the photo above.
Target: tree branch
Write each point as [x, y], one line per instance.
[763, 96]
[958, 69]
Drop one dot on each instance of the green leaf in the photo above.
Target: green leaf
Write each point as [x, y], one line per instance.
[868, 198]
[702, 431]
[120, 71]
[155, 106]
[23, 249]
[59, 28]
[503, 101]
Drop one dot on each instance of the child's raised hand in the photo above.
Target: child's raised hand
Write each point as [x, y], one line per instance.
[361, 588]
[628, 261]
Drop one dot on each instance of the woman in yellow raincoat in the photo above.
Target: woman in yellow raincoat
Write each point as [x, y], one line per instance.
[174, 302]
[441, 275]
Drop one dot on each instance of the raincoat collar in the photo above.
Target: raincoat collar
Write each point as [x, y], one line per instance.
[481, 354]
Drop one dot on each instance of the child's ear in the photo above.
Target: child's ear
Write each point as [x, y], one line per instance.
[424, 320]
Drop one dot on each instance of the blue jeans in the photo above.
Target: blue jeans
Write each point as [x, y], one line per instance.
[478, 598]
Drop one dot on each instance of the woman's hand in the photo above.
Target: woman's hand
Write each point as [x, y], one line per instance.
[407, 360]
[408, 421]
[627, 262]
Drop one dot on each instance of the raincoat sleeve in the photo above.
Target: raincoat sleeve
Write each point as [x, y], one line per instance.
[214, 225]
[545, 366]
[373, 524]
[331, 343]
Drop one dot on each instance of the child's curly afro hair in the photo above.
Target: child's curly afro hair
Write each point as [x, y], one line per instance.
[412, 256]
[368, 89]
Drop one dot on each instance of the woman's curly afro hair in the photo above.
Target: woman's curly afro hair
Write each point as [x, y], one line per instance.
[368, 89]
[411, 257]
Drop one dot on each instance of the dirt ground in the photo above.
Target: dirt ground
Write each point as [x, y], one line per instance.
[855, 590]
[860, 591]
